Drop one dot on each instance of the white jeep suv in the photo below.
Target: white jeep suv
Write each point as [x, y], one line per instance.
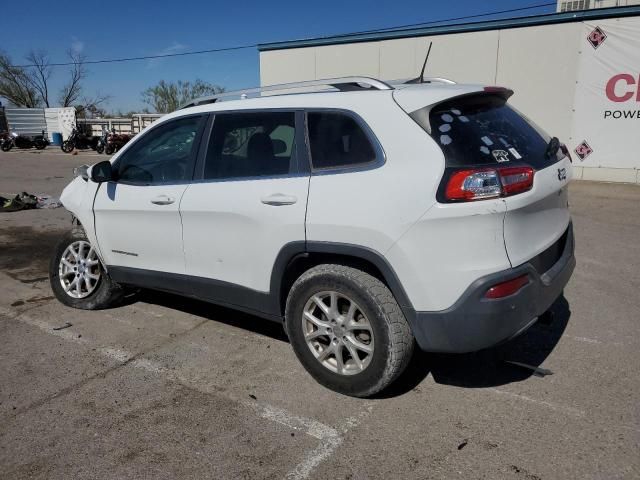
[368, 219]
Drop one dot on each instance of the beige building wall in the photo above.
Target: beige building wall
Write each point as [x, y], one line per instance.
[541, 65]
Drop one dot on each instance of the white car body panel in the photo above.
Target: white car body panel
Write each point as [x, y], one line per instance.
[537, 218]
[77, 197]
[134, 232]
[373, 208]
[230, 235]
[447, 249]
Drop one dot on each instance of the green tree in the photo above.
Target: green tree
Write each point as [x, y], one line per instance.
[167, 97]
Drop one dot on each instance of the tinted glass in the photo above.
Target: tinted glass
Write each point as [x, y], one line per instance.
[163, 155]
[484, 130]
[246, 145]
[337, 141]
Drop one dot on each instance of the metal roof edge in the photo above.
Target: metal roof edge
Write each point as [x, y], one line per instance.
[529, 21]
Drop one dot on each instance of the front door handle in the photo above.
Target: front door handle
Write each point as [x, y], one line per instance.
[163, 200]
[278, 199]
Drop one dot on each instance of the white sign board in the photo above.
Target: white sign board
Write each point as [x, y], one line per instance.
[606, 121]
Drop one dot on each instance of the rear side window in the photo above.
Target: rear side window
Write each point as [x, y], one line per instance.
[337, 141]
[250, 145]
[483, 130]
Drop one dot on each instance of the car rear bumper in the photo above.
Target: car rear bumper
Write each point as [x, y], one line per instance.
[475, 322]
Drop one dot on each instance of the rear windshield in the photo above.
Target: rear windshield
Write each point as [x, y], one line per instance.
[481, 129]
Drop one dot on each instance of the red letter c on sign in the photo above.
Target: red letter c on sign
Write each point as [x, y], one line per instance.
[611, 87]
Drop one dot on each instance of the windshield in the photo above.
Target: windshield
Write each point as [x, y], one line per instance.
[481, 129]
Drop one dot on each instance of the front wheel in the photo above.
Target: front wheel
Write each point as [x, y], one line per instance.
[78, 278]
[6, 146]
[109, 149]
[100, 148]
[67, 146]
[347, 330]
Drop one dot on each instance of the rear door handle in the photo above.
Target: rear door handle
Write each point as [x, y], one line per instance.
[278, 199]
[163, 200]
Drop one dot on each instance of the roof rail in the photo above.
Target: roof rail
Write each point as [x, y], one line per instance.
[343, 84]
[439, 80]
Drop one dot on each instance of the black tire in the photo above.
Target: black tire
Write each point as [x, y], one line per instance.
[40, 145]
[107, 293]
[394, 341]
[100, 148]
[6, 146]
[67, 146]
[109, 149]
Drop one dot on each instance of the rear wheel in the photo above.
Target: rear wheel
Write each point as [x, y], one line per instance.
[347, 330]
[100, 148]
[78, 278]
[109, 149]
[6, 146]
[40, 144]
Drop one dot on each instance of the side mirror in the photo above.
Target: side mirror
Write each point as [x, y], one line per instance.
[102, 172]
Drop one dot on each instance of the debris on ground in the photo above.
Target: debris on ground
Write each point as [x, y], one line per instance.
[463, 444]
[537, 371]
[47, 201]
[27, 201]
[62, 327]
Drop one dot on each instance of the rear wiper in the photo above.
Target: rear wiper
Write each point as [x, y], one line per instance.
[552, 147]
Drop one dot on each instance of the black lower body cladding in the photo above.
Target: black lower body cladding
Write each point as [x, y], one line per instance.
[475, 322]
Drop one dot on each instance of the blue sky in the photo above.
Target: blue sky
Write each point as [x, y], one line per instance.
[115, 29]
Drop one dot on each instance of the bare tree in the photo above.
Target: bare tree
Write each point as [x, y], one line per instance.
[90, 107]
[166, 97]
[39, 73]
[70, 93]
[16, 86]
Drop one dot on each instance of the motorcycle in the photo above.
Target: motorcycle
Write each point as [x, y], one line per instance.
[102, 141]
[78, 140]
[3, 137]
[116, 141]
[21, 141]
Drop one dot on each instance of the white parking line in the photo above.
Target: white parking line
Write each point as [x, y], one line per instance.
[330, 438]
[327, 447]
[574, 412]
[593, 341]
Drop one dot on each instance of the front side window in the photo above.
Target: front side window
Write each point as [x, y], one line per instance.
[164, 155]
[249, 145]
[337, 141]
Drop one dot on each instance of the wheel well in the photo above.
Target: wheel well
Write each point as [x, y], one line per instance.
[304, 261]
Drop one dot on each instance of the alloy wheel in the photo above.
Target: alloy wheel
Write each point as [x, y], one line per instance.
[338, 333]
[79, 269]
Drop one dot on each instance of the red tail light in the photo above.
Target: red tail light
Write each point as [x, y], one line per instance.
[507, 288]
[483, 183]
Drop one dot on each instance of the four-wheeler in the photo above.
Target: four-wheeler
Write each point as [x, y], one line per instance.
[370, 221]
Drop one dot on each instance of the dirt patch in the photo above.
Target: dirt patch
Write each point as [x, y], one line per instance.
[25, 252]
